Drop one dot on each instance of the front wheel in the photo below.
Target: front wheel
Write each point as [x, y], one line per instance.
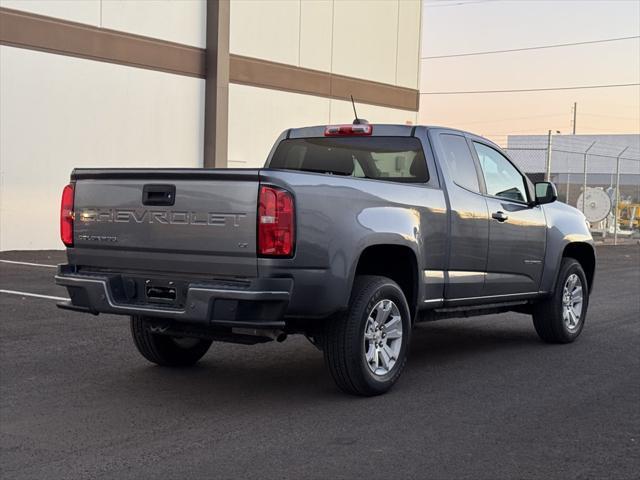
[166, 350]
[366, 349]
[560, 318]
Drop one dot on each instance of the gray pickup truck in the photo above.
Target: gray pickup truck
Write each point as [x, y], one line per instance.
[349, 235]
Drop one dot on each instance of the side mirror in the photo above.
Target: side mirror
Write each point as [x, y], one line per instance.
[545, 193]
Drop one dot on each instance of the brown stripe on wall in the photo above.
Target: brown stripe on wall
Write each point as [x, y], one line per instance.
[37, 32]
[263, 73]
[375, 93]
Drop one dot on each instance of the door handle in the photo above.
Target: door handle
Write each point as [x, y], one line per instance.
[500, 216]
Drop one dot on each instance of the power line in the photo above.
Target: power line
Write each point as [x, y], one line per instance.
[540, 47]
[610, 116]
[635, 108]
[547, 89]
[476, 122]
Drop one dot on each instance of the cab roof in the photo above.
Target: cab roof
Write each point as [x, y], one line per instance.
[379, 129]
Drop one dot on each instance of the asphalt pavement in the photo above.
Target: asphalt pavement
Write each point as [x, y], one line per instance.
[481, 398]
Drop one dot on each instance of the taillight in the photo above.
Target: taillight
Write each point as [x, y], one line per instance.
[67, 216]
[348, 130]
[276, 234]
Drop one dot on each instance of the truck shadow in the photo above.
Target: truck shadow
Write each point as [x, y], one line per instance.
[234, 375]
[439, 342]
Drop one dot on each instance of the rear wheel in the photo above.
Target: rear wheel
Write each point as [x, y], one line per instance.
[560, 318]
[166, 350]
[366, 349]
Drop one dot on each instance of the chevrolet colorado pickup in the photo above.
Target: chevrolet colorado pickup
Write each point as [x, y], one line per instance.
[349, 235]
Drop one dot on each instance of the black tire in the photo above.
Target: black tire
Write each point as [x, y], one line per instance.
[165, 350]
[344, 342]
[548, 314]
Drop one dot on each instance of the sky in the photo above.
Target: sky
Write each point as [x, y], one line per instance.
[462, 26]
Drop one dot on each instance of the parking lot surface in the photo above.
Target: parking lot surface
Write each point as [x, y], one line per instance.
[481, 397]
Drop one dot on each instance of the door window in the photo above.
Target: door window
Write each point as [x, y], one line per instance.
[500, 176]
[460, 161]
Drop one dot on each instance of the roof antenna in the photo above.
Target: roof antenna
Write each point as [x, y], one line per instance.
[357, 121]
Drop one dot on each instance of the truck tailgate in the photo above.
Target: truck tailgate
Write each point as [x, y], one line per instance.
[169, 221]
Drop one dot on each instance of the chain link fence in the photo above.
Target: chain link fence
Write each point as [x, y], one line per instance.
[600, 178]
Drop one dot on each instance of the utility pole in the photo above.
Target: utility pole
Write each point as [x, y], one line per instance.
[584, 180]
[615, 217]
[566, 200]
[575, 111]
[547, 170]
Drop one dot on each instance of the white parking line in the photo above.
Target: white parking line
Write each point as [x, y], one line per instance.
[36, 295]
[29, 264]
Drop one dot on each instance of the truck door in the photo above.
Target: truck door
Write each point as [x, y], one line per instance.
[517, 231]
[468, 217]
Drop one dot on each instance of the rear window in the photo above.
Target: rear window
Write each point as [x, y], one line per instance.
[397, 159]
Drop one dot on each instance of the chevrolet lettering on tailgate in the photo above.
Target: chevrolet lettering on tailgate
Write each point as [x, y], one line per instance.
[167, 217]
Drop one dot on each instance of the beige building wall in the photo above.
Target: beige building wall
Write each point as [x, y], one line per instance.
[87, 11]
[181, 21]
[370, 39]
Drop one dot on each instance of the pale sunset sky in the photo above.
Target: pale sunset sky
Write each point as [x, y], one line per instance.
[462, 26]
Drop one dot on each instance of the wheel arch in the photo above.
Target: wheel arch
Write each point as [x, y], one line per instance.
[585, 255]
[397, 262]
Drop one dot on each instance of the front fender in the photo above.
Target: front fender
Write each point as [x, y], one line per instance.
[565, 225]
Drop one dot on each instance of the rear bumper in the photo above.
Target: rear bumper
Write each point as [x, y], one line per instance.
[254, 303]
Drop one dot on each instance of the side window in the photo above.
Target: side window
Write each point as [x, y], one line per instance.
[460, 161]
[357, 170]
[501, 177]
[410, 165]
